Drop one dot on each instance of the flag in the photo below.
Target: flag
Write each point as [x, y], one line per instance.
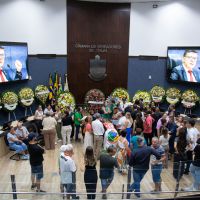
[60, 89]
[51, 93]
[55, 86]
[66, 87]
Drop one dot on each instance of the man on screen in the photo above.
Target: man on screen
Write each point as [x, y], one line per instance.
[6, 72]
[187, 71]
[3, 76]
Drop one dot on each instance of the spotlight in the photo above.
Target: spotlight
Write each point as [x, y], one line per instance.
[155, 5]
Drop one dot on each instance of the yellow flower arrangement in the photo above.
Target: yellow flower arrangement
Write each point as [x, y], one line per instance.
[189, 98]
[41, 93]
[120, 93]
[157, 93]
[142, 95]
[26, 96]
[66, 99]
[10, 100]
[173, 95]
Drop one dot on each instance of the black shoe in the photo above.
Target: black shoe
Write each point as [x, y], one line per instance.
[40, 191]
[33, 186]
[77, 197]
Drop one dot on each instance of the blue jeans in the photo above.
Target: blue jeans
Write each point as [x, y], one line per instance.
[18, 147]
[70, 188]
[156, 171]
[138, 175]
[77, 131]
[37, 171]
[195, 171]
[106, 182]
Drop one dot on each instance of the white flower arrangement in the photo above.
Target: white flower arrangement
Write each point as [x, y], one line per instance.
[173, 95]
[10, 101]
[26, 96]
[189, 98]
[42, 93]
[157, 94]
[66, 99]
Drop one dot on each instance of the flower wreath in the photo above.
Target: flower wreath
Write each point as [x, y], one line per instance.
[173, 95]
[95, 95]
[157, 93]
[26, 96]
[42, 93]
[189, 98]
[120, 93]
[142, 94]
[9, 100]
[66, 99]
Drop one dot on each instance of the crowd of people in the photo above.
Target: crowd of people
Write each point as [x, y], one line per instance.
[118, 135]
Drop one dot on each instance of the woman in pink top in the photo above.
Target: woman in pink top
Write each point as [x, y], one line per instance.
[148, 128]
[88, 140]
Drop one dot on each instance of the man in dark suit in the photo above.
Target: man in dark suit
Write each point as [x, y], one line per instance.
[6, 72]
[187, 71]
[3, 75]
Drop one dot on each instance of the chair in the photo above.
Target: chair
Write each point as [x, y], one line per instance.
[15, 156]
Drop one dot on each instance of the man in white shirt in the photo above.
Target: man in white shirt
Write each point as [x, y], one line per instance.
[98, 131]
[192, 134]
[22, 133]
[67, 170]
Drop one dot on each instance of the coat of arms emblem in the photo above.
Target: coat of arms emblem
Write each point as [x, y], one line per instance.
[97, 69]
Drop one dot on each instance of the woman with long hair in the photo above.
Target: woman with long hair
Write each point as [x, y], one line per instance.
[138, 122]
[128, 125]
[90, 174]
[180, 145]
[122, 150]
[88, 140]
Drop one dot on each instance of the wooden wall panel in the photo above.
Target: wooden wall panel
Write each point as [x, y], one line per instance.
[90, 23]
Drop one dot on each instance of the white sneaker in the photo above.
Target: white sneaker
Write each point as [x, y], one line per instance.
[191, 188]
[25, 157]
